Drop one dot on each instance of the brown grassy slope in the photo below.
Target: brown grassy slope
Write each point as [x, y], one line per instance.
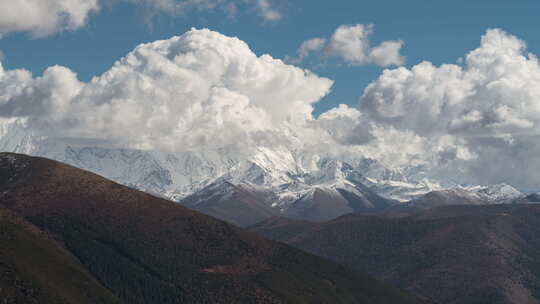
[34, 268]
[149, 250]
[454, 254]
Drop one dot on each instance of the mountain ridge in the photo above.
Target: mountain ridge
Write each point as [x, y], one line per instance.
[149, 250]
[451, 254]
[296, 181]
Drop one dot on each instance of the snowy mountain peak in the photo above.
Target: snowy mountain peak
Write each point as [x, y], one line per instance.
[288, 174]
[498, 192]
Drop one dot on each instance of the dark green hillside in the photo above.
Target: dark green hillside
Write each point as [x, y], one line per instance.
[149, 250]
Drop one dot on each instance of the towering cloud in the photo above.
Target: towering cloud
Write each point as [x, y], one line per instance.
[490, 107]
[351, 44]
[199, 90]
[474, 122]
[496, 93]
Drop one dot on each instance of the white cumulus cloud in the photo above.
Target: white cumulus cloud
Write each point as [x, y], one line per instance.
[306, 48]
[488, 109]
[496, 92]
[199, 90]
[351, 43]
[44, 17]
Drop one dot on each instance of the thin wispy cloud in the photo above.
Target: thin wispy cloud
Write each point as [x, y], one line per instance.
[267, 10]
[43, 18]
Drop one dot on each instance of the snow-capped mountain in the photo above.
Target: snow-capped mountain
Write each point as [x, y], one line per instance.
[323, 203]
[243, 204]
[176, 175]
[477, 195]
[494, 194]
[298, 181]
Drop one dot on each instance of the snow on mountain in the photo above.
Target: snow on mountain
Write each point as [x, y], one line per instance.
[238, 204]
[290, 175]
[402, 191]
[319, 204]
[494, 194]
[326, 202]
[472, 195]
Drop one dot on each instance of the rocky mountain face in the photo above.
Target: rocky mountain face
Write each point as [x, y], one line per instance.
[70, 236]
[451, 254]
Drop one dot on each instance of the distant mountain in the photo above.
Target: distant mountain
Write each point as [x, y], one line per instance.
[492, 195]
[75, 237]
[290, 173]
[497, 194]
[289, 178]
[247, 204]
[242, 204]
[450, 254]
[436, 199]
[326, 203]
[293, 183]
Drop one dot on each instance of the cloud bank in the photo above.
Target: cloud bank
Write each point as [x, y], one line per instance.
[489, 108]
[475, 122]
[351, 44]
[201, 90]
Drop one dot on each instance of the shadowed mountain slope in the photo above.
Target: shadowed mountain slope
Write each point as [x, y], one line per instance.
[326, 203]
[451, 254]
[148, 250]
[247, 204]
[435, 199]
[237, 204]
[35, 268]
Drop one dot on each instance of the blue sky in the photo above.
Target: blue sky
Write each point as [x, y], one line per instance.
[438, 31]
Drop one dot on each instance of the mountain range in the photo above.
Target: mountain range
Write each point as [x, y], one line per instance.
[70, 236]
[244, 189]
[416, 233]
